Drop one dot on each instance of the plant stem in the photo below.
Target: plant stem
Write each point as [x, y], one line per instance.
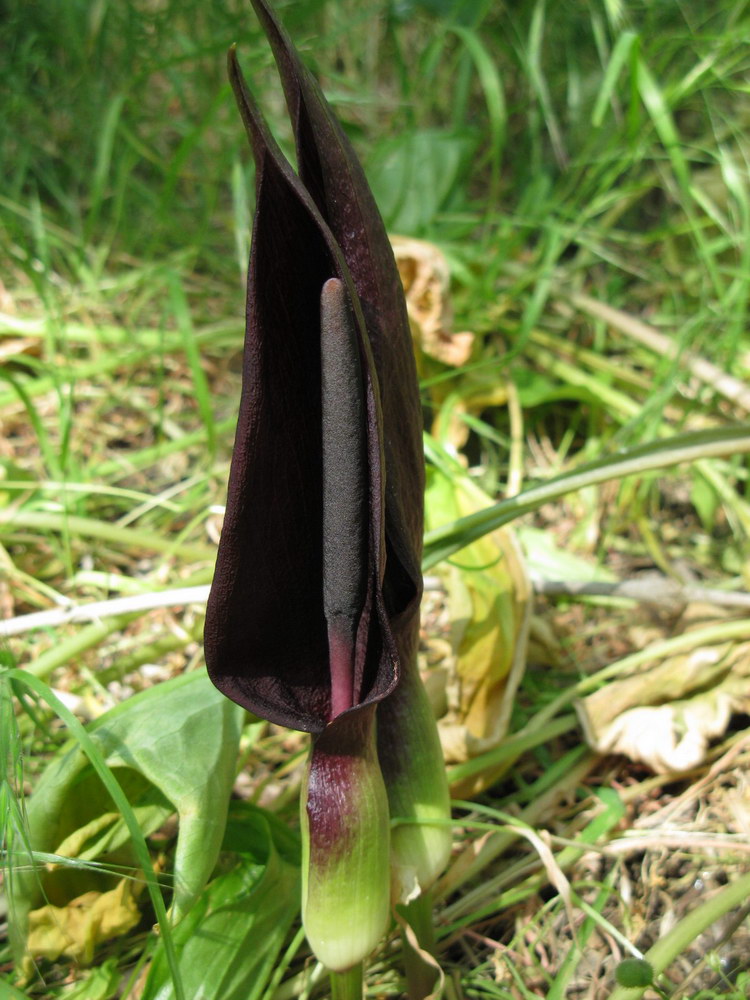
[667, 949]
[420, 977]
[347, 985]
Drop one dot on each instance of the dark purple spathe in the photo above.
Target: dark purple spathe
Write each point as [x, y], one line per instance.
[288, 592]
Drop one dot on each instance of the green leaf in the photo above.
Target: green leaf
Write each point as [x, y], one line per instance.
[535, 388]
[183, 736]
[546, 559]
[413, 176]
[85, 741]
[10, 991]
[102, 983]
[90, 830]
[229, 943]
[174, 747]
[706, 502]
[494, 96]
[247, 834]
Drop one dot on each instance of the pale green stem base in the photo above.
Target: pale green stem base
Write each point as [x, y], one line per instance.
[420, 977]
[347, 985]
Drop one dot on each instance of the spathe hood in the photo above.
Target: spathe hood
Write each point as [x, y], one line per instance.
[318, 563]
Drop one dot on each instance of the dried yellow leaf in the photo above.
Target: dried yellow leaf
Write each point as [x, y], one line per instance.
[425, 276]
[77, 929]
[666, 715]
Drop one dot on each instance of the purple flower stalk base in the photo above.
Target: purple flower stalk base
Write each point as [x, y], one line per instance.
[313, 616]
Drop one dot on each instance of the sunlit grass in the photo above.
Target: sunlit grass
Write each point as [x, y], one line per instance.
[564, 158]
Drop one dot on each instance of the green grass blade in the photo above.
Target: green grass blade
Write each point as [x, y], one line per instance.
[662, 120]
[65, 650]
[652, 457]
[104, 148]
[48, 452]
[620, 57]
[489, 77]
[181, 312]
[87, 527]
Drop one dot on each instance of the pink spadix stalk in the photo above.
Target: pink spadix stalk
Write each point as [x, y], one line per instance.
[313, 616]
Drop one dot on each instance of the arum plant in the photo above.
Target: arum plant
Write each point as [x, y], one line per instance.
[313, 616]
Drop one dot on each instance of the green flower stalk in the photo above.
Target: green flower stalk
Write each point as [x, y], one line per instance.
[313, 616]
[345, 892]
[418, 796]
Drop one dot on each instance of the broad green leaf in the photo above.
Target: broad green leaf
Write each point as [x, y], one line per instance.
[71, 815]
[87, 743]
[7, 989]
[174, 749]
[547, 560]
[414, 176]
[229, 942]
[183, 736]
